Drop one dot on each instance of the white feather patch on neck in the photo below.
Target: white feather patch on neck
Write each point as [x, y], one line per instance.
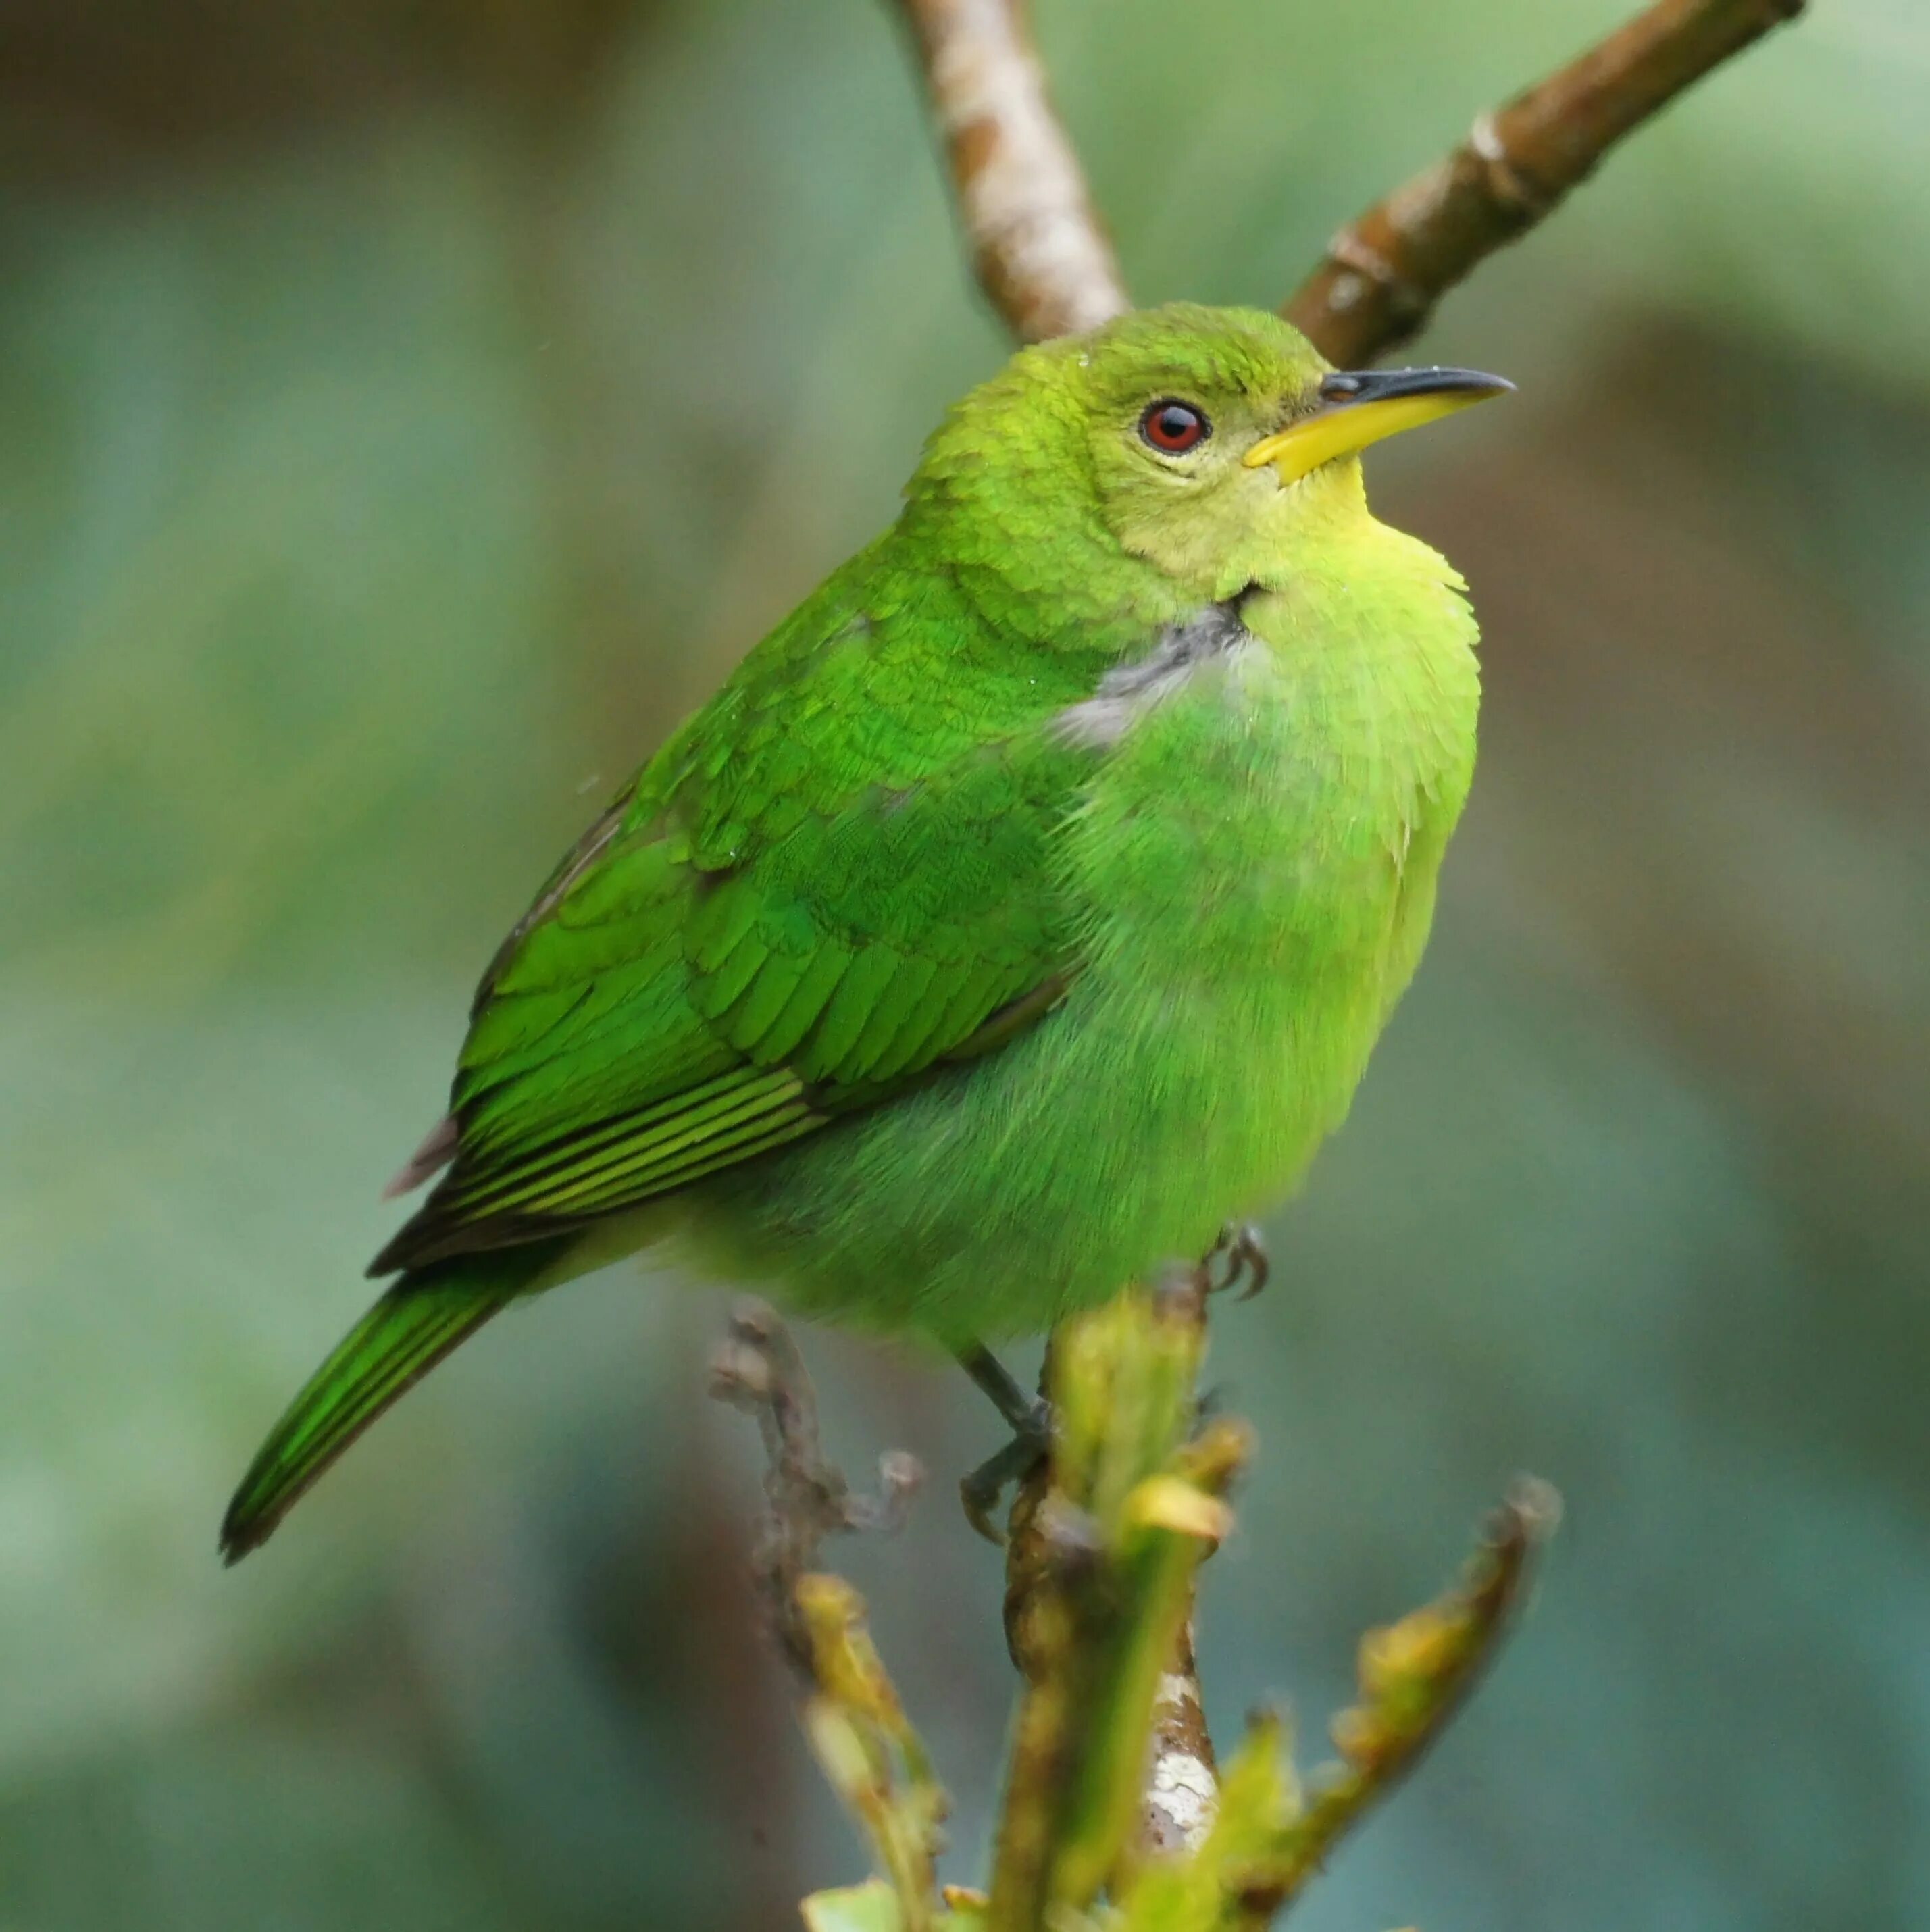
[1129, 690]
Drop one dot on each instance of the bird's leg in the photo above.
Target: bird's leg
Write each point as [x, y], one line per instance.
[1022, 1410]
[1241, 1250]
[1240, 1257]
[1030, 1417]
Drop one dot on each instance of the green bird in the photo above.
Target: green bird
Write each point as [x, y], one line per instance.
[1020, 914]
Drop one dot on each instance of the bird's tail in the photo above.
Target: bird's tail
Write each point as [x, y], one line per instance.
[425, 1315]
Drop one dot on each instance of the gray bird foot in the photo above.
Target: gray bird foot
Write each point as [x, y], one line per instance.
[1241, 1254]
[983, 1490]
[1031, 1418]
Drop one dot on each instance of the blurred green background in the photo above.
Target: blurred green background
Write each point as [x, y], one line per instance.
[407, 408]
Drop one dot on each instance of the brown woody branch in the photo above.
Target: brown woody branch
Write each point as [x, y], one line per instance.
[1037, 243]
[1384, 271]
[807, 1498]
[1183, 1779]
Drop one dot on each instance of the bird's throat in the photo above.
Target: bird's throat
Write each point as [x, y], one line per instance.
[1129, 690]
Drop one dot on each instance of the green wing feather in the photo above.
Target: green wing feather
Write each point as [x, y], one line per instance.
[413, 1326]
[840, 873]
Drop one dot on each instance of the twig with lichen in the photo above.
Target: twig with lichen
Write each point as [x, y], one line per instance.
[1133, 1504]
[1180, 1786]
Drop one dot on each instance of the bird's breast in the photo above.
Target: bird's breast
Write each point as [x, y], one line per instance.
[1257, 853]
[1264, 791]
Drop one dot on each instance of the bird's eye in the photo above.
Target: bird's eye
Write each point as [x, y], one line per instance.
[1173, 427]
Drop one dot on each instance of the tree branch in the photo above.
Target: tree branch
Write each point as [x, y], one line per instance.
[807, 1498]
[1099, 1588]
[1183, 1783]
[1385, 272]
[1181, 1791]
[1040, 250]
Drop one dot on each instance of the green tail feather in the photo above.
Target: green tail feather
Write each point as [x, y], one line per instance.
[426, 1314]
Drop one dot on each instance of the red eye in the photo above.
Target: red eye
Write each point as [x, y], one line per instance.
[1173, 427]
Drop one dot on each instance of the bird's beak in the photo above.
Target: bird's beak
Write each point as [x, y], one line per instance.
[1361, 407]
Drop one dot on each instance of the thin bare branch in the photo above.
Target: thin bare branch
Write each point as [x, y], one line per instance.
[1040, 251]
[759, 1370]
[1180, 1791]
[1385, 272]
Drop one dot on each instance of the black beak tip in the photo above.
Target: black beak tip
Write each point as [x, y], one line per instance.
[1352, 385]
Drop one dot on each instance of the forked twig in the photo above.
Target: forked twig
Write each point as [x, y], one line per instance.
[1041, 252]
[1415, 1675]
[1385, 271]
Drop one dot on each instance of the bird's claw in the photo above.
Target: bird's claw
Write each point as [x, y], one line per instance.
[1241, 1252]
[984, 1489]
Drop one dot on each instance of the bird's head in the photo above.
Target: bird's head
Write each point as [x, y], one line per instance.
[1185, 451]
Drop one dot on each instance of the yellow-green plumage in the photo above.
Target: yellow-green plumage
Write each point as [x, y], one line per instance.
[1022, 910]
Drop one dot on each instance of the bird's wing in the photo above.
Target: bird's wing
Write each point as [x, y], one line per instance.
[840, 873]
